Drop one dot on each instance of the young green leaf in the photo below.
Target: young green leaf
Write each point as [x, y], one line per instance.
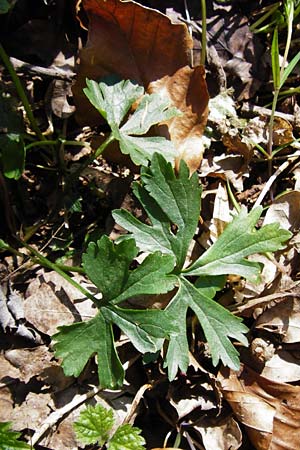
[127, 438]
[239, 240]
[114, 100]
[9, 439]
[173, 206]
[94, 425]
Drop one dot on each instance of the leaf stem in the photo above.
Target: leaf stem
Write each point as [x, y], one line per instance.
[203, 34]
[58, 268]
[21, 93]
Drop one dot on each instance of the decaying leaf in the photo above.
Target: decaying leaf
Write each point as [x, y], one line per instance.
[268, 410]
[143, 45]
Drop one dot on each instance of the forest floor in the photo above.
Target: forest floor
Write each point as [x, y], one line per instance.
[57, 198]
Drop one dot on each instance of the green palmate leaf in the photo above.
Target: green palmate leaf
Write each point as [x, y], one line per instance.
[94, 425]
[127, 438]
[151, 277]
[12, 155]
[9, 439]
[217, 323]
[108, 266]
[171, 202]
[113, 100]
[76, 343]
[239, 240]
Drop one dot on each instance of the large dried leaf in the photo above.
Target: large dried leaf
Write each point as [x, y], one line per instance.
[268, 410]
[143, 45]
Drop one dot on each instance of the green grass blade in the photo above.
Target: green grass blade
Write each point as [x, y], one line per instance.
[289, 69]
[275, 60]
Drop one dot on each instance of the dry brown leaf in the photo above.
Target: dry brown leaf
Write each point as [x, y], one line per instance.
[221, 434]
[188, 92]
[142, 44]
[50, 296]
[283, 367]
[283, 319]
[269, 411]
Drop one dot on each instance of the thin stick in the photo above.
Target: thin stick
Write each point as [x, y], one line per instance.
[57, 415]
[274, 176]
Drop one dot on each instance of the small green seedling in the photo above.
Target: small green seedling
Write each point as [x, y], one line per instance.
[95, 424]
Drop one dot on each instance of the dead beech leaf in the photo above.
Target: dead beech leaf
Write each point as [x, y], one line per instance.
[143, 45]
[269, 410]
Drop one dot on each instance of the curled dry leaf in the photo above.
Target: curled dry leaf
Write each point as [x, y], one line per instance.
[268, 410]
[143, 45]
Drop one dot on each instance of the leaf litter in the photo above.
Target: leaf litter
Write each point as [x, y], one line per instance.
[209, 409]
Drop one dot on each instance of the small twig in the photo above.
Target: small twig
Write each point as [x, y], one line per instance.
[51, 72]
[54, 417]
[273, 177]
[133, 409]
[253, 110]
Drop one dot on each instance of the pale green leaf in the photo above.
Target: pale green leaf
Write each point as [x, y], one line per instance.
[127, 438]
[113, 99]
[151, 110]
[76, 343]
[239, 240]
[9, 439]
[94, 425]
[142, 149]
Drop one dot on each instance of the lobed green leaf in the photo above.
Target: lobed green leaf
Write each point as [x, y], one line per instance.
[127, 438]
[9, 439]
[94, 425]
